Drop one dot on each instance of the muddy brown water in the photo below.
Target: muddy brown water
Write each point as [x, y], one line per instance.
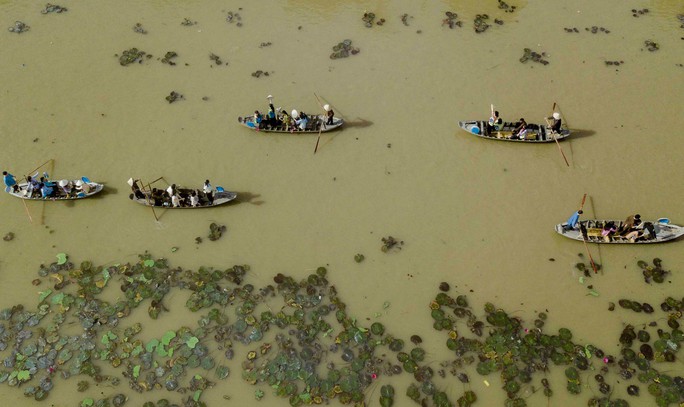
[478, 214]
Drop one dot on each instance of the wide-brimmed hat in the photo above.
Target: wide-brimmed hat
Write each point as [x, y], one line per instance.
[63, 183]
[326, 108]
[556, 115]
[79, 182]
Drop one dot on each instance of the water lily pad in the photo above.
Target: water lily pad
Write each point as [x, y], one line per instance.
[222, 372]
[192, 342]
[149, 263]
[61, 258]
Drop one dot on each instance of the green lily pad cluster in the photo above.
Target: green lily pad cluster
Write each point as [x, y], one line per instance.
[654, 273]
[300, 344]
[131, 56]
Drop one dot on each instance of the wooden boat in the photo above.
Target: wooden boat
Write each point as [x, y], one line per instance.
[313, 126]
[536, 133]
[60, 193]
[664, 231]
[221, 197]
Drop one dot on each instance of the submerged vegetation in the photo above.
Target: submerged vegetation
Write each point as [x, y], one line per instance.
[297, 338]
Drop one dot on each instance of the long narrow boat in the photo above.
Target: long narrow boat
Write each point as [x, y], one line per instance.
[60, 188]
[313, 126]
[536, 133]
[665, 231]
[220, 196]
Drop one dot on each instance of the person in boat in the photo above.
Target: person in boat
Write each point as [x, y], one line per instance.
[10, 181]
[495, 122]
[208, 191]
[301, 119]
[520, 130]
[258, 119]
[271, 118]
[608, 231]
[194, 199]
[572, 222]
[46, 190]
[630, 223]
[649, 230]
[555, 122]
[32, 186]
[171, 190]
[65, 186]
[175, 200]
[286, 120]
[330, 114]
[83, 187]
[157, 197]
[137, 192]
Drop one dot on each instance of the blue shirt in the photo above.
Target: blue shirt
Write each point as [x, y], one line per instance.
[46, 191]
[9, 180]
[572, 221]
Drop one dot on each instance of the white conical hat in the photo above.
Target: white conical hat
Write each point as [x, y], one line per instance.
[79, 182]
[63, 183]
[326, 108]
[556, 115]
[294, 113]
[130, 182]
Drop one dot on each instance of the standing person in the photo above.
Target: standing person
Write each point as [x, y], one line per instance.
[209, 191]
[573, 220]
[555, 122]
[495, 122]
[10, 182]
[271, 119]
[330, 113]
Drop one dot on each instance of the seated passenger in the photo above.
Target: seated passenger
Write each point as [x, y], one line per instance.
[194, 199]
[520, 131]
[33, 186]
[65, 186]
[83, 187]
[495, 122]
[302, 121]
[286, 120]
[46, 191]
[608, 230]
[631, 222]
[175, 200]
[649, 231]
[258, 119]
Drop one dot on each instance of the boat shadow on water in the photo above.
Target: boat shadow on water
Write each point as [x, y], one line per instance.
[358, 123]
[577, 133]
[248, 197]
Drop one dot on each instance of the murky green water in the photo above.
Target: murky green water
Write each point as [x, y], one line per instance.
[477, 214]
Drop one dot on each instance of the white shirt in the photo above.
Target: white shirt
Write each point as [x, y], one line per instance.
[207, 188]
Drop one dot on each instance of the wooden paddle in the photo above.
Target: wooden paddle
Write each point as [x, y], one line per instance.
[553, 134]
[320, 129]
[586, 247]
